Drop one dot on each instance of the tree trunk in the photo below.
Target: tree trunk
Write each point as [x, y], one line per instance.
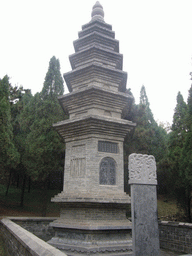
[44, 198]
[29, 185]
[23, 190]
[18, 180]
[189, 206]
[9, 182]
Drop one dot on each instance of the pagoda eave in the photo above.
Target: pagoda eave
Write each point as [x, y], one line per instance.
[93, 124]
[96, 38]
[96, 54]
[98, 27]
[92, 97]
[80, 78]
[101, 23]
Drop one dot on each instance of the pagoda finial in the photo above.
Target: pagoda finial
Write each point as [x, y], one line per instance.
[97, 12]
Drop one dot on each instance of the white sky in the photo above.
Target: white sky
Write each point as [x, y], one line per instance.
[155, 39]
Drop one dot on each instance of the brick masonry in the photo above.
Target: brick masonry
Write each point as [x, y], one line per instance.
[176, 236]
[173, 236]
[21, 242]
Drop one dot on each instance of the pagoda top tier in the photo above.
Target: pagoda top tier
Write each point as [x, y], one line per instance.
[96, 61]
[97, 12]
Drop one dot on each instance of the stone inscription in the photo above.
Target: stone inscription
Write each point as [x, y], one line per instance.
[142, 169]
[77, 167]
[107, 174]
[145, 220]
[105, 146]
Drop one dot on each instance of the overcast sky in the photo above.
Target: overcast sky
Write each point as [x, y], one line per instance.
[155, 39]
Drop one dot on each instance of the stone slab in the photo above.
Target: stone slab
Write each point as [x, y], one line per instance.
[145, 233]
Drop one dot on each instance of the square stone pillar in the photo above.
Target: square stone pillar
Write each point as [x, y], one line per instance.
[143, 181]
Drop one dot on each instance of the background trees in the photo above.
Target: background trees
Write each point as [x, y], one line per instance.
[30, 149]
[148, 137]
[180, 154]
[9, 156]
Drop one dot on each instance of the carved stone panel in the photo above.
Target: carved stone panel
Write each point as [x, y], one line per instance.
[107, 173]
[142, 169]
[106, 146]
[77, 167]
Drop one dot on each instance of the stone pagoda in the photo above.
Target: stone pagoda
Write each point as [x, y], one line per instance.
[93, 203]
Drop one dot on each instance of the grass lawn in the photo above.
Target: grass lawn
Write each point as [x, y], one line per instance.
[167, 209]
[10, 204]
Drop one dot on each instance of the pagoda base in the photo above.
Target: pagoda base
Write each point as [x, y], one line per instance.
[87, 228]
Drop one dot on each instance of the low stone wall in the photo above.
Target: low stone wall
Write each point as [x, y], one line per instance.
[36, 225]
[176, 236]
[21, 242]
[22, 236]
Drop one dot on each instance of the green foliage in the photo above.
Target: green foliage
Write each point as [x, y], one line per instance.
[148, 137]
[9, 156]
[53, 84]
[180, 154]
[33, 206]
[44, 147]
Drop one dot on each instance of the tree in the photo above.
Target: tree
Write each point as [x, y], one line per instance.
[176, 142]
[53, 84]
[20, 98]
[45, 148]
[145, 102]
[148, 137]
[185, 168]
[9, 156]
[180, 154]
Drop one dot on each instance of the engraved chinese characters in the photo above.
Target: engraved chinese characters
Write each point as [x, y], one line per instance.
[107, 175]
[142, 169]
[78, 161]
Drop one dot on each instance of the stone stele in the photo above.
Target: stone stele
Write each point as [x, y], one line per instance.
[143, 180]
[93, 203]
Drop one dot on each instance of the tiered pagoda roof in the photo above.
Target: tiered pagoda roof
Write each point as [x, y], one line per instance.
[97, 84]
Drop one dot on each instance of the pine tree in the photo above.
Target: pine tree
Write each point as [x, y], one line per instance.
[144, 102]
[53, 84]
[176, 141]
[20, 99]
[45, 148]
[185, 167]
[148, 137]
[9, 156]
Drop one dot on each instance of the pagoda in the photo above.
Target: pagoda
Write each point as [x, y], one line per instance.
[93, 202]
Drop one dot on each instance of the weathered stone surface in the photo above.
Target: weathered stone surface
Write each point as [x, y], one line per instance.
[176, 236]
[98, 27]
[142, 169]
[97, 101]
[96, 39]
[93, 203]
[95, 74]
[94, 126]
[145, 234]
[107, 172]
[97, 55]
[20, 242]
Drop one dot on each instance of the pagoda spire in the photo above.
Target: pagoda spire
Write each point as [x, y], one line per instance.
[97, 12]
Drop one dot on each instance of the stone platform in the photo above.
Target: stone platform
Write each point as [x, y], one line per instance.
[92, 226]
